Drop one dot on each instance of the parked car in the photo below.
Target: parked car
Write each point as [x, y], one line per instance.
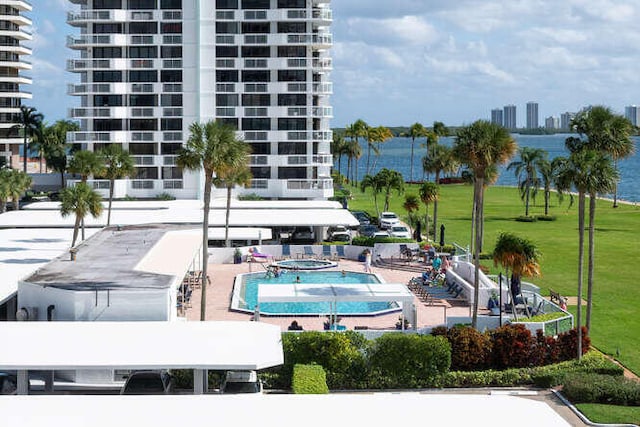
[400, 231]
[241, 382]
[341, 236]
[8, 383]
[149, 382]
[368, 230]
[303, 235]
[388, 219]
[340, 231]
[362, 217]
[380, 234]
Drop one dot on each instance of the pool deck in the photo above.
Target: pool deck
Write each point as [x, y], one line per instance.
[223, 275]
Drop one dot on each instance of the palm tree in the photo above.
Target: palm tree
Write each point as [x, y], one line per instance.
[378, 135]
[354, 152]
[481, 146]
[526, 170]
[5, 195]
[209, 148]
[356, 131]
[39, 142]
[29, 122]
[369, 181]
[417, 130]
[389, 180]
[433, 136]
[235, 173]
[118, 164]
[516, 254]
[411, 204]
[80, 200]
[56, 145]
[606, 132]
[548, 173]
[338, 148]
[429, 193]
[13, 183]
[86, 163]
[440, 159]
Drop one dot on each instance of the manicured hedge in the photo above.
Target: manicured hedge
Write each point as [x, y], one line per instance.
[309, 379]
[596, 388]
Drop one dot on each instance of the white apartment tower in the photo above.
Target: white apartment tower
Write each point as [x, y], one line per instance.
[532, 115]
[13, 33]
[150, 68]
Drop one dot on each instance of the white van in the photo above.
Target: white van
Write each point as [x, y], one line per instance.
[241, 382]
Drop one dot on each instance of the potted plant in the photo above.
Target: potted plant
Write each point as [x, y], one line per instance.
[237, 256]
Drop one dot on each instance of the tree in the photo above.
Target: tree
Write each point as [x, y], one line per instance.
[236, 173]
[429, 193]
[118, 165]
[355, 131]
[608, 133]
[13, 183]
[80, 200]
[378, 135]
[526, 170]
[411, 204]
[86, 163]
[39, 142]
[369, 181]
[208, 148]
[548, 173]
[354, 152]
[56, 148]
[417, 130]
[439, 159]
[481, 146]
[389, 180]
[516, 254]
[339, 146]
[29, 122]
[5, 195]
[433, 135]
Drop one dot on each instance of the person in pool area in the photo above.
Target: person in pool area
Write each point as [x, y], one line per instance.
[437, 263]
[367, 261]
[297, 279]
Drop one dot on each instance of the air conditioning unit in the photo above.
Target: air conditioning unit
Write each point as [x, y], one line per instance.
[27, 314]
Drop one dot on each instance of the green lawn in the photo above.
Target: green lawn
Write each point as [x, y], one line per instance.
[615, 324]
[610, 414]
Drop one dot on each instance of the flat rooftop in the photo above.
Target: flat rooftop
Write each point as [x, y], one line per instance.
[126, 257]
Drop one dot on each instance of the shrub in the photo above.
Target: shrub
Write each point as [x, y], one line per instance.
[597, 388]
[568, 343]
[409, 360]
[470, 349]
[512, 346]
[309, 379]
[524, 218]
[165, 196]
[250, 196]
[546, 218]
[370, 241]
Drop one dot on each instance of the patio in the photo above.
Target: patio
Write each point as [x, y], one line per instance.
[223, 275]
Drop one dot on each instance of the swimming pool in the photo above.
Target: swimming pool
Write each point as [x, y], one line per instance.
[245, 294]
[305, 264]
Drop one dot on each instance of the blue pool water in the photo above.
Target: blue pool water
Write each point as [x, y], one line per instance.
[248, 292]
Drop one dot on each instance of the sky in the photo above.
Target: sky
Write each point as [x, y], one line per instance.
[404, 61]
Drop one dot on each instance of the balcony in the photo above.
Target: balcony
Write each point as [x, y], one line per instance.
[293, 188]
[323, 64]
[322, 112]
[322, 88]
[16, 19]
[21, 5]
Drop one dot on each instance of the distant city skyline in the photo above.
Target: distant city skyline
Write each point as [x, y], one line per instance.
[399, 62]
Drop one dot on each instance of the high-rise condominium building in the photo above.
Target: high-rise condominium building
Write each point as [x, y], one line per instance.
[497, 116]
[632, 113]
[151, 68]
[565, 120]
[509, 116]
[12, 64]
[552, 122]
[532, 115]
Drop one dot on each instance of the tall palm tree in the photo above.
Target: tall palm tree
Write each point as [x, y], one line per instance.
[56, 148]
[432, 137]
[417, 130]
[118, 164]
[439, 159]
[5, 194]
[606, 132]
[369, 181]
[526, 170]
[19, 182]
[389, 180]
[355, 131]
[209, 148]
[235, 173]
[29, 122]
[481, 146]
[548, 173]
[338, 148]
[39, 142]
[516, 254]
[86, 163]
[354, 152]
[80, 200]
[378, 135]
[412, 205]
[429, 193]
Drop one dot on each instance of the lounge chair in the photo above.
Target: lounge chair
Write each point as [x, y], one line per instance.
[340, 251]
[326, 251]
[255, 253]
[286, 252]
[308, 252]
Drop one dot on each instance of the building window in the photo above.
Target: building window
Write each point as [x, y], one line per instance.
[297, 99]
[171, 76]
[143, 124]
[146, 173]
[256, 76]
[171, 51]
[256, 28]
[170, 4]
[107, 76]
[171, 124]
[226, 28]
[143, 28]
[292, 173]
[256, 100]
[292, 52]
[143, 76]
[143, 100]
[227, 100]
[171, 28]
[107, 28]
[143, 52]
[292, 75]
[292, 124]
[170, 148]
[226, 4]
[292, 27]
[107, 52]
[292, 4]
[226, 51]
[256, 124]
[260, 148]
[227, 75]
[285, 148]
[229, 121]
[107, 100]
[107, 4]
[142, 4]
[107, 125]
[171, 100]
[256, 4]
[261, 172]
[256, 51]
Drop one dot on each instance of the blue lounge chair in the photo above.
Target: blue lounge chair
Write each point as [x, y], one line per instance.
[286, 251]
[326, 251]
[308, 252]
[340, 251]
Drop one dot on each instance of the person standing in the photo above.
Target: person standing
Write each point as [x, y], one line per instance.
[367, 261]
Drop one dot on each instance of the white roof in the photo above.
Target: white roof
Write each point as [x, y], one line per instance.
[274, 410]
[140, 345]
[276, 204]
[235, 233]
[299, 292]
[23, 251]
